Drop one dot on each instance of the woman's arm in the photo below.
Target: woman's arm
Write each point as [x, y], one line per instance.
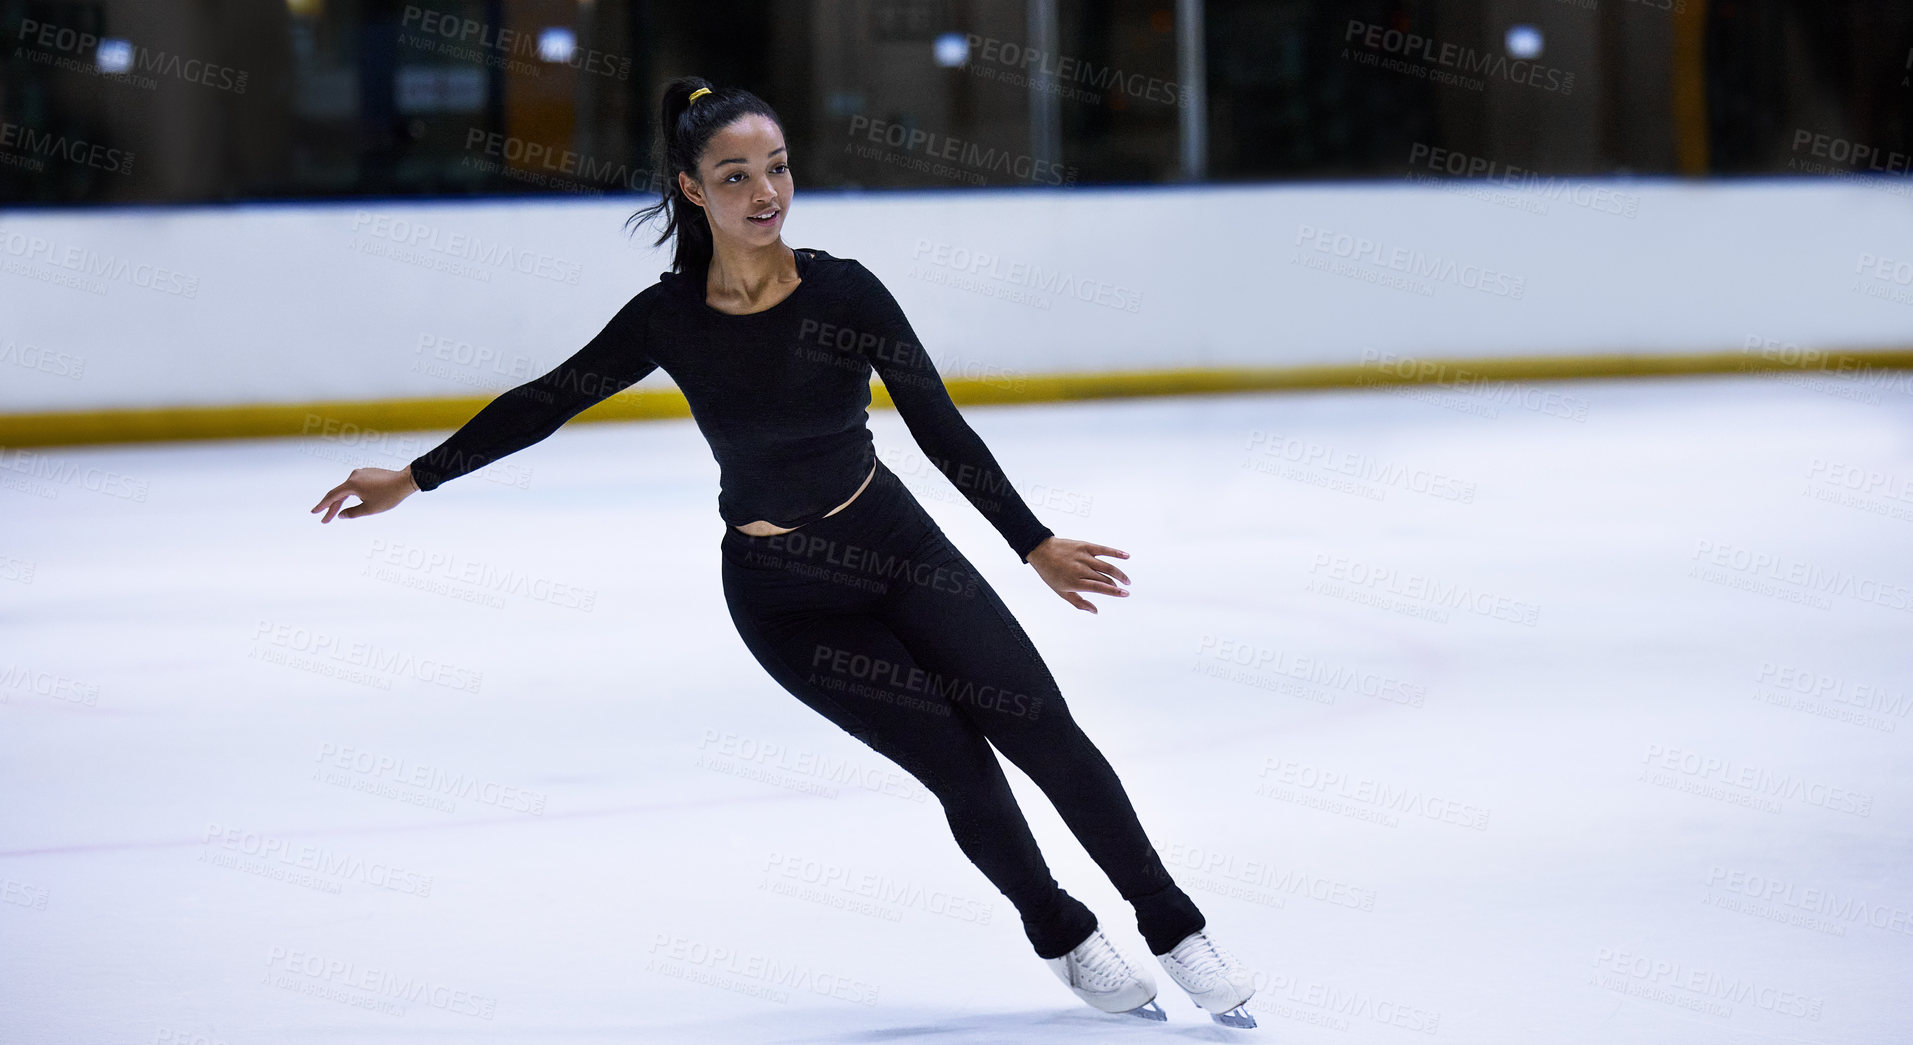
[607, 364]
[1068, 566]
[946, 438]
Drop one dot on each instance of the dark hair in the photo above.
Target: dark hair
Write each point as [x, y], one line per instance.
[684, 129]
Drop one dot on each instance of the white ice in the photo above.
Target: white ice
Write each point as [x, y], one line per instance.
[1549, 713]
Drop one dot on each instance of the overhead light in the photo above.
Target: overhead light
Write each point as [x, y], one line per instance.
[115, 55]
[557, 44]
[1524, 41]
[952, 49]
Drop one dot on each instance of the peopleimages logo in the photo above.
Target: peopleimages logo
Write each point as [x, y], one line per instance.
[1855, 154]
[478, 39]
[973, 157]
[1454, 56]
[485, 255]
[72, 150]
[1580, 192]
[1797, 579]
[1667, 766]
[1410, 260]
[1051, 66]
[39, 41]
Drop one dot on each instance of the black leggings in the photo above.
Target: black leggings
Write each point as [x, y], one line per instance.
[874, 620]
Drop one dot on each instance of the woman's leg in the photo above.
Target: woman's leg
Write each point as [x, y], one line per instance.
[810, 634]
[987, 666]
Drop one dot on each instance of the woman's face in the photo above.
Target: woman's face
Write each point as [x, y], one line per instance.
[741, 175]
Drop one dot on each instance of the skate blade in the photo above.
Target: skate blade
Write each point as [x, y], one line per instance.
[1237, 1017]
[1148, 1010]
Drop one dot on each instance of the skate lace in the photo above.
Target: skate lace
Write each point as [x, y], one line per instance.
[1103, 966]
[1205, 962]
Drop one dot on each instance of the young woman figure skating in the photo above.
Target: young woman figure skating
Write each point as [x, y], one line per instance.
[853, 599]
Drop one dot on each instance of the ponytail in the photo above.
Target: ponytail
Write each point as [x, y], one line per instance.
[684, 130]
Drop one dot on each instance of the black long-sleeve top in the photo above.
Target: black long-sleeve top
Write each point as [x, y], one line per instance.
[781, 396]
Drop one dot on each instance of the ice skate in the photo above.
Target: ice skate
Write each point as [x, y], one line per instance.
[1101, 976]
[1215, 981]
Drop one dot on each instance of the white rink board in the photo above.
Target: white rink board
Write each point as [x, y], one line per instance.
[355, 301]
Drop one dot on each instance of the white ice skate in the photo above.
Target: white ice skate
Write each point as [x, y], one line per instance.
[1216, 982]
[1101, 976]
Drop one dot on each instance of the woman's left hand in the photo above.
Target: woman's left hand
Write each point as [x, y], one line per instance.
[1072, 566]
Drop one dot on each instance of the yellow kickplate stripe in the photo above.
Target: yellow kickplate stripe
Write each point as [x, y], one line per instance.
[396, 415]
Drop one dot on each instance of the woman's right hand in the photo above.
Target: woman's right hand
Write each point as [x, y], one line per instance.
[378, 490]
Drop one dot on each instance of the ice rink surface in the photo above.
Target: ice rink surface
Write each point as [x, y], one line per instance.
[1551, 713]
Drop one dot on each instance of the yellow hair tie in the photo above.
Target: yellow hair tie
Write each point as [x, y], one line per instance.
[694, 95]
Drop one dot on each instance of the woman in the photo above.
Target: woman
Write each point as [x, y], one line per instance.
[837, 580]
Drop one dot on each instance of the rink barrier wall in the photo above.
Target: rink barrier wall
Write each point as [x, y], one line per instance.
[329, 419]
[230, 321]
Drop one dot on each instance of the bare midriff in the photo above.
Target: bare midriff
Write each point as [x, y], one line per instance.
[766, 528]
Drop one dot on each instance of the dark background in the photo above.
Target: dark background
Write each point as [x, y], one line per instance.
[347, 98]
